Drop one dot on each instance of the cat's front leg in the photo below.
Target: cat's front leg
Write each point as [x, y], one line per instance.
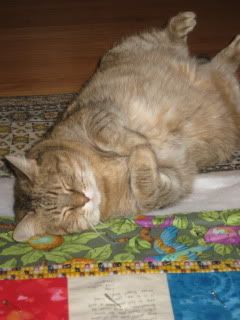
[106, 130]
[152, 186]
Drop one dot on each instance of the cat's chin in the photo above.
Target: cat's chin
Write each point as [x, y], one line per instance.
[93, 217]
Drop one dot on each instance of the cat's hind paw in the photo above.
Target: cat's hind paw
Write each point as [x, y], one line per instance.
[183, 23]
[229, 56]
[235, 46]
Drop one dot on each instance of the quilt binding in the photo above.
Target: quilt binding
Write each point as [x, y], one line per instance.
[83, 269]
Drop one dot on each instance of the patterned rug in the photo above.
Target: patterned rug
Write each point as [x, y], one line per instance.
[24, 120]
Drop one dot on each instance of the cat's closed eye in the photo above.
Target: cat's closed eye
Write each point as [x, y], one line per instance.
[66, 212]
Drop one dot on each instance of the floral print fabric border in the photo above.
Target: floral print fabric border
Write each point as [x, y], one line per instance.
[200, 236]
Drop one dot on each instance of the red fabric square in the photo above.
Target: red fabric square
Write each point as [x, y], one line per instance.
[36, 299]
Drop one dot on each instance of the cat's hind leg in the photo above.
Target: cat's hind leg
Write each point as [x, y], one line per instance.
[225, 64]
[228, 58]
[180, 26]
[173, 36]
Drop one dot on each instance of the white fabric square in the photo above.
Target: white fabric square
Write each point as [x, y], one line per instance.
[131, 297]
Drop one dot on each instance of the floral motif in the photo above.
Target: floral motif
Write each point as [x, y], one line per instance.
[223, 235]
[47, 242]
[152, 221]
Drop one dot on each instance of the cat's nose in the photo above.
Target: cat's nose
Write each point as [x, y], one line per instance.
[73, 200]
[78, 199]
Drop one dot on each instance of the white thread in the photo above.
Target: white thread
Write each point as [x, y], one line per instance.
[99, 234]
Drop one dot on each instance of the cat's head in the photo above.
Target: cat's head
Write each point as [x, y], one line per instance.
[56, 193]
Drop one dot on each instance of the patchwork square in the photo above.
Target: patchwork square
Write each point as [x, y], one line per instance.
[205, 296]
[132, 297]
[44, 299]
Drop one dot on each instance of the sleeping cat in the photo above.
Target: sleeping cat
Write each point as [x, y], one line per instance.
[134, 138]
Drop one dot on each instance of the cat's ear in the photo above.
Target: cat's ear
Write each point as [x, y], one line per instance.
[28, 227]
[23, 167]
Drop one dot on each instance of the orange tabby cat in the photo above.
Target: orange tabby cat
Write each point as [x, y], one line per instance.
[149, 118]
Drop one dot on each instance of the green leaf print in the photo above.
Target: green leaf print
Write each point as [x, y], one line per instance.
[238, 251]
[104, 225]
[2, 243]
[136, 244]
[132, 246]
[12, 263]
[121, 226]
[157, 220]
[57, 258]
[202, 242]
[31, 257]
[185, 240]
[180, 222]
[100, 253]
[223, 249]
[198, 231]
[82, 238]
[210, 216]
[8, 236]
[16, 250]
[6, 220]
[70, 248]
[143, 244]
[123, 257]
[233, 219]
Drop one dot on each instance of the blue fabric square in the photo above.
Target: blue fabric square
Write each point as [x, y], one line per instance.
[205, 296]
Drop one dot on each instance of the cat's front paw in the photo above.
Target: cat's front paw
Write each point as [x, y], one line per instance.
[143, 170]
[142, 157]
[183, 23]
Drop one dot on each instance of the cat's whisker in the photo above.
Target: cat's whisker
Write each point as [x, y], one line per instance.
[98, 233]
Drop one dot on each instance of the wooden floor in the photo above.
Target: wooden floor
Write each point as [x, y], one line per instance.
[53, 46]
